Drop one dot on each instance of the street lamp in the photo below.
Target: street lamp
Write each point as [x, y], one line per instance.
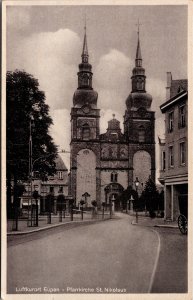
[31, 169]
[136, 186]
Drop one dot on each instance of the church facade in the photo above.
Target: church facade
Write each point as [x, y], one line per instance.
[103, 165]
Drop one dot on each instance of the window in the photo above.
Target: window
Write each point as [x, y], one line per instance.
[35, 187]
[85, 132]
[182, 153]
[140, 84]
[51, 189]
[85, 80]
[141, 134]
[182, 119]
[60, 189]
[60, 175]
[114, 177]
[113, 136]
[171, 156]
[171, 121]
[163, 160]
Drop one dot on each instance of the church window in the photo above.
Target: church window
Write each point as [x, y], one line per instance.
[113, 136]
[85, 80]
[141, 134]
[110, 152]
[140, 84]
[114, 177]
[85, 132]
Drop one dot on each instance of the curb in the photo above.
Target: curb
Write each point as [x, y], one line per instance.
[156, 225]
[53, 226]
[166, 226]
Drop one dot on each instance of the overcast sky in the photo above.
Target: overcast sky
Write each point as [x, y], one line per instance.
[46, 41]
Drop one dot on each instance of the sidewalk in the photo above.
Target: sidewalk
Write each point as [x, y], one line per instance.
[23, 227]
[151, 222]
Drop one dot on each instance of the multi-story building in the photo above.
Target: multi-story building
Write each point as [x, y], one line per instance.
[56, 184]
[174, 148]
[103, 165]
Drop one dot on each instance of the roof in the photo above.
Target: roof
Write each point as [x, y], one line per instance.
[179, 97]
[177, 86]
[113, 124]
[60, 165]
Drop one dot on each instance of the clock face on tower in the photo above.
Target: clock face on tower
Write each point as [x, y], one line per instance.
[86, 109]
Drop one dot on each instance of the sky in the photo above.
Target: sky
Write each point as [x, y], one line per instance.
[46, 41]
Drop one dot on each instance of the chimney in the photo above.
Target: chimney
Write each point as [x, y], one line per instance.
[169, 83]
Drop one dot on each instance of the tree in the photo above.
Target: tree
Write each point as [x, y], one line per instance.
[150, 196]
[26, 102]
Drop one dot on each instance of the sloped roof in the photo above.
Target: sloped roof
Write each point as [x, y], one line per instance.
[60, 165]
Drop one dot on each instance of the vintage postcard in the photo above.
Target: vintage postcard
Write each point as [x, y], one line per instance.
[95, 162]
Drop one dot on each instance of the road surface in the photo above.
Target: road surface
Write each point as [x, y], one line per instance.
[107, 257]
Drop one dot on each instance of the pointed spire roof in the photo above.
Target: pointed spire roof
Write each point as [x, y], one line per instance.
[138, 52]
[85, 47]
[138, 60]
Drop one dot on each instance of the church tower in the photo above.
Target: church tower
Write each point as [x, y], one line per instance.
[85, 146]
[139, 126]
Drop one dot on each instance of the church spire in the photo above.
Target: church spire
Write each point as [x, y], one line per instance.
[85, 69]
[85, 47]
[138, 73]
[138, 60]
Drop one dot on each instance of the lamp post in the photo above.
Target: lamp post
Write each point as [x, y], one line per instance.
[30, 161]
[35, 196]
[131, 204]
[82, 202]
[110, 202]
[103, 205]
[71, 201]
[136, 186]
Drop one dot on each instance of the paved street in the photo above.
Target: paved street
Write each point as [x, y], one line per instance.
[108, 255]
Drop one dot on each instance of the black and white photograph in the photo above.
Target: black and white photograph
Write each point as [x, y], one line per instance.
[95, 156]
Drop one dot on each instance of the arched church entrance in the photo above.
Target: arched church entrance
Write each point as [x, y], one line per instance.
[112, 194]
[86, 176]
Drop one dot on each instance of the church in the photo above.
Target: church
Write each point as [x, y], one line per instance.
[103, 165]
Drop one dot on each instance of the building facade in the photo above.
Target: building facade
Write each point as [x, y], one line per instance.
[174, 148]
[56, 184]
[103, 165]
